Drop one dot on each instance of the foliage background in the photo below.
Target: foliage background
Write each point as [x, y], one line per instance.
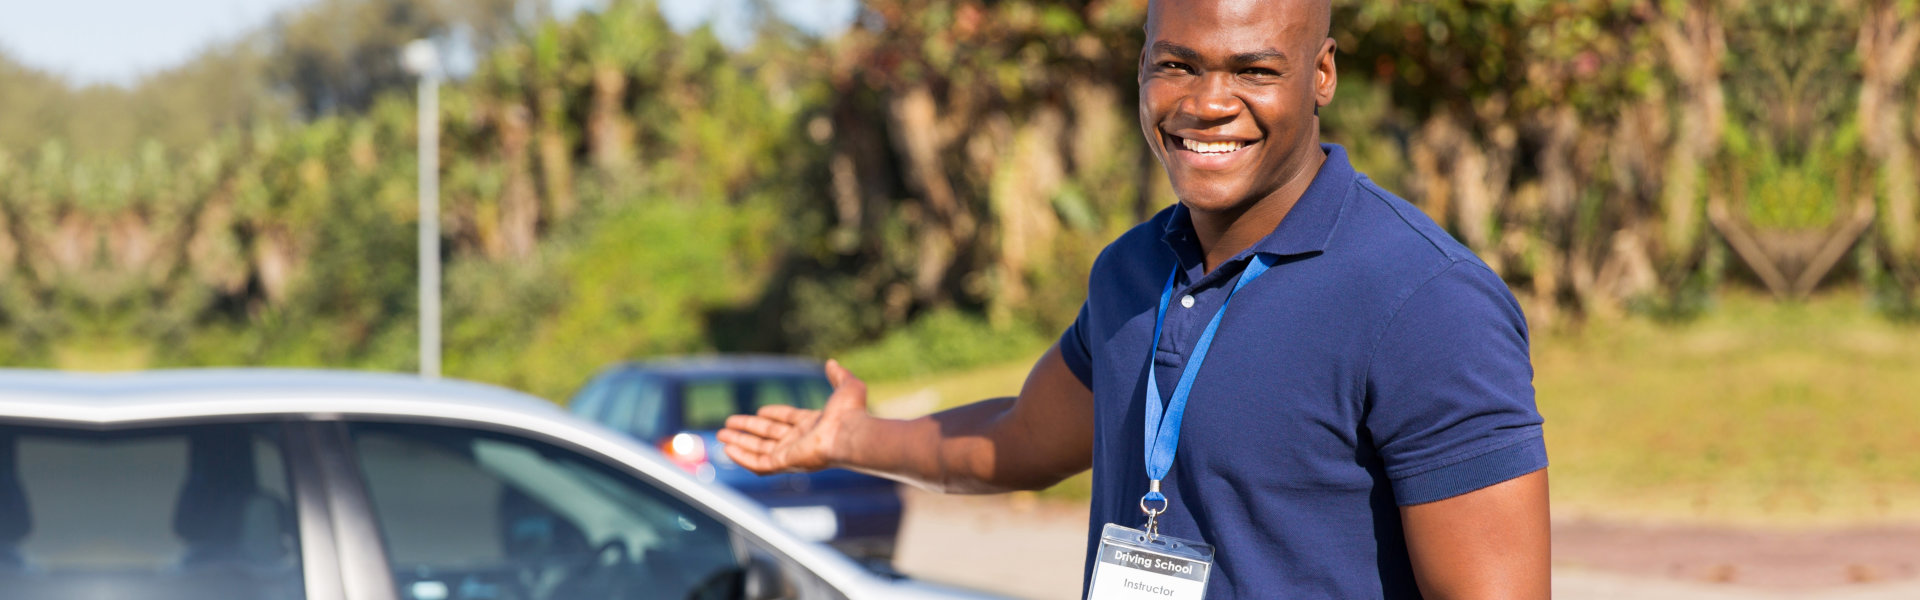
[921, 193]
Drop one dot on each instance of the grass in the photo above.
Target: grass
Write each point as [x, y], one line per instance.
[102, 356]
[1760, 413]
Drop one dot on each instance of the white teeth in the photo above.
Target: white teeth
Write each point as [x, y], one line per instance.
[1211, 147]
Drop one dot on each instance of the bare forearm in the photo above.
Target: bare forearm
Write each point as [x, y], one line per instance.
[955, 451]
[1003, 444]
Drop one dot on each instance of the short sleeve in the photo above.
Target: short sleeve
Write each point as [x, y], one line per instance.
[1074, 349]
[1450, 389]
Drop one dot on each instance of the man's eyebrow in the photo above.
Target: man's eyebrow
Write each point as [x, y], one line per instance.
[1178, 51]
[1191, 55]
[1258, 56]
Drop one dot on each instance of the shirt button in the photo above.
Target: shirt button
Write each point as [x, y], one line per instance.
[1186, 301]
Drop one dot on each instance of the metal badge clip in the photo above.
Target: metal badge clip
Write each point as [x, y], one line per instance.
[1153, 514]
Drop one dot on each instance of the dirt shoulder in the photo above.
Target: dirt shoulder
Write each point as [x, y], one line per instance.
[1768, 559]
[1028, 548]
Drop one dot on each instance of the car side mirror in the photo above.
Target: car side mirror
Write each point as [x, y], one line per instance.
[763, 579]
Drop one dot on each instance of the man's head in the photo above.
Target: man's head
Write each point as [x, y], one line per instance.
[1228, 95]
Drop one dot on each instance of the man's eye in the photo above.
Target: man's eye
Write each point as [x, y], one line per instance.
[1175, 66]
[1260, 72]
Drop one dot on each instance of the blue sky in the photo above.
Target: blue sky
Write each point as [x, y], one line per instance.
[117, 41]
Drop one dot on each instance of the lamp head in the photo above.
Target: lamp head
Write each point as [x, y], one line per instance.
[421, 58]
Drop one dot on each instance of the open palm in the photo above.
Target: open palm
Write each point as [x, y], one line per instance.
[782, 439]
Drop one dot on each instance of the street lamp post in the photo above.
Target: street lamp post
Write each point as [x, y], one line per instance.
[422, 60]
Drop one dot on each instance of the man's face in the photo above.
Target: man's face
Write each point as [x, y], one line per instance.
[1228, 90]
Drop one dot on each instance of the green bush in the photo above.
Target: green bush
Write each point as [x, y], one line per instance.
[944, 340]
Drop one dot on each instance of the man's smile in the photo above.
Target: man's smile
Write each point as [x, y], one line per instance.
[1206, 153]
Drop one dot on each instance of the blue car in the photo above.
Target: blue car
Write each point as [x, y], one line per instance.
[678, 405]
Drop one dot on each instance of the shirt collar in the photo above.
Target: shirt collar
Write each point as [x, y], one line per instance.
[1308, 225]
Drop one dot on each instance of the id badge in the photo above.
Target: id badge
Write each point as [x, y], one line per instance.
[1131, 565]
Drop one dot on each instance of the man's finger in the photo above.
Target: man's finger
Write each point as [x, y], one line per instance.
[785, 414]
[736, 437]
[772, 430]
[738, 422]
[746, 443]
[766, 428]
[736, 453]
[749, 460]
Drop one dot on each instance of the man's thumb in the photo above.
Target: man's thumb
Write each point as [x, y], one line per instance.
[846, 387]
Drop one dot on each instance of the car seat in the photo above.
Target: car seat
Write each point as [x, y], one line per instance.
[547, 550]
[222, 515]
[16, 520]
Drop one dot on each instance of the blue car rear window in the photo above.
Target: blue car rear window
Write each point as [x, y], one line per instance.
[706, 403]
[636, 406]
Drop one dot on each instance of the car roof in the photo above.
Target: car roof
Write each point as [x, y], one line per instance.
[733, 365]
[114, 397]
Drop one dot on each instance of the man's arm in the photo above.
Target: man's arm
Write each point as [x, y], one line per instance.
[1488, 544]
[1026, 442]
[1453, 419]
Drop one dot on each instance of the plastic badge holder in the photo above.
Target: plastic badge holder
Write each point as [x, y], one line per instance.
[1133, 564]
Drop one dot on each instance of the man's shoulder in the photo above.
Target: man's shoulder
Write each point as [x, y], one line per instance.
[1384, 233]
[1385, 251]
[1144, 238]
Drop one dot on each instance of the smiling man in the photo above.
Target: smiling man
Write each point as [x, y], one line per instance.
[1291, 370]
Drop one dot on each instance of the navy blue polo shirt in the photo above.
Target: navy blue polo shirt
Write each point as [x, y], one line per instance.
[1378, 364]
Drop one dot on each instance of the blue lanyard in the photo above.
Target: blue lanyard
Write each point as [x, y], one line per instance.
[1163, 433]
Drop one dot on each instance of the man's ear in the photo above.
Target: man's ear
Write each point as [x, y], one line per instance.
[1326, 74]
[1140, 68]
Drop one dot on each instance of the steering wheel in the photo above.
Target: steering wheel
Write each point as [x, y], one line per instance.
[602, 575]
[616, 546]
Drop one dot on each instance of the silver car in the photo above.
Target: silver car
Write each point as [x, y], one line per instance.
[277, 485]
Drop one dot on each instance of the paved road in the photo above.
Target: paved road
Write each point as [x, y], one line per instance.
[1574, 583]
[1034, 550]
[1026, 550]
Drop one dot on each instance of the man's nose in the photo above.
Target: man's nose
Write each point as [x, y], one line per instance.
[1212, 99]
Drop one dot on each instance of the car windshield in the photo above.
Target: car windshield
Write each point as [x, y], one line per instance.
[179, 512]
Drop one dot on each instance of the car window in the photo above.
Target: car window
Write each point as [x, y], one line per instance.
[706, 404]
[471, 515]
[178, 512]
[591, 400]
[814, 392]
[636, 406]
[810, 393]
[767, 392]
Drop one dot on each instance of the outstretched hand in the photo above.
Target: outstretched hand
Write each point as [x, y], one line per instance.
[783, 439]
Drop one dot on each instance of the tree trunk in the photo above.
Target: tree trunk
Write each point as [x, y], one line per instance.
[945, 223]
[1695, 46]
[518, 215]
[609, 131]
[1887, 48]
[276, 261]
[212, 252]
[556, 154]
[1461, 182]
[1023, 188]
[1558, 131]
